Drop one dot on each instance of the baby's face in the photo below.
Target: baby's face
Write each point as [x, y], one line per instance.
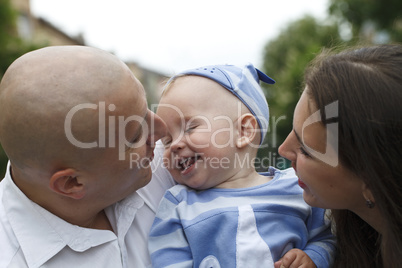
[201, 117]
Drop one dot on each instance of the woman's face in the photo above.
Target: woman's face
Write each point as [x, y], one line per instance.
[325, 181]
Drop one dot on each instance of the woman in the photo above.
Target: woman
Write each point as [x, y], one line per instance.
[348, 154]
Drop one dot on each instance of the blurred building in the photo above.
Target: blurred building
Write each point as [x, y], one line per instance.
[43, 33]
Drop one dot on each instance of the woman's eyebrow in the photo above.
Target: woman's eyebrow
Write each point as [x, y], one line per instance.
[298, 137]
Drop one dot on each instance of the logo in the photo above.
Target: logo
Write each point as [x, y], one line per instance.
[330, 156]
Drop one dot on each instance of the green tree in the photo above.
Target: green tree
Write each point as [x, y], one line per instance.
[370, 20]
[11, 47]
[7, 33]
[285, 59]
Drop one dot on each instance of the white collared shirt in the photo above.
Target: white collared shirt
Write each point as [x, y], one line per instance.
[31, 236]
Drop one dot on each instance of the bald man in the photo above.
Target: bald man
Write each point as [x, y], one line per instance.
[75, 125]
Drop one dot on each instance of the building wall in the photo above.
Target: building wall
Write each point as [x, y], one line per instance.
[46, 34]
[22, 5]
[43, 33]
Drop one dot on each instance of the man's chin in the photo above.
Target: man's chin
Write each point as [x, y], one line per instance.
[147, 176]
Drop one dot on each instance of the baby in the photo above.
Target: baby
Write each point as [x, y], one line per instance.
[223, 213]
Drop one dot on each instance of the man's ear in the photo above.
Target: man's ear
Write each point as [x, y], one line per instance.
[248, 129]
[65, 182]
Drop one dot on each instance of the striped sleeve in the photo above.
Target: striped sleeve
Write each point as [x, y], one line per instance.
[168, 244]
[321, 243]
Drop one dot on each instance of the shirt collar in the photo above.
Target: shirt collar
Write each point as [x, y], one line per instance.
[40, 233]
[121, 214]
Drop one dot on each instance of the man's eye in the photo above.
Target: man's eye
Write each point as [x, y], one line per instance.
[138, 137]
[166, 142]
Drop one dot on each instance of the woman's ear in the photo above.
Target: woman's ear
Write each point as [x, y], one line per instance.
[368, 196]
[248, 129]
[65, 182]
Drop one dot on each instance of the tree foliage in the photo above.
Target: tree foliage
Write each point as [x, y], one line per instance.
[7, 33]
[381, 16]
[11, 47]
[287, 56]
[285, 59]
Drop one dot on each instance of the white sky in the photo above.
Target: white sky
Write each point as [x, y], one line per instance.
[173, 35]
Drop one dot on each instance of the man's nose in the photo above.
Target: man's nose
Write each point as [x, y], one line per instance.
[157, 127]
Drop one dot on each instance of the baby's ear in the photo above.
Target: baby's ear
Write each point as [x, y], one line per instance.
[65, 182]
[249, 128]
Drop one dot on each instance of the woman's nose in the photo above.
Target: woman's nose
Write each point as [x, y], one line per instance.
[286, 149]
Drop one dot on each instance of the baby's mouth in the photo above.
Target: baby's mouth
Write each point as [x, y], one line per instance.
[186, 163]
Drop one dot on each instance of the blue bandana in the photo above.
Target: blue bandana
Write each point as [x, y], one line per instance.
[244, 84]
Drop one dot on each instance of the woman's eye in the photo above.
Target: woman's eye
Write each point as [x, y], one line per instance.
[304, 152]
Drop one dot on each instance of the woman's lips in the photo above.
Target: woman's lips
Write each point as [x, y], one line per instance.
[301, 184]
[294, 166]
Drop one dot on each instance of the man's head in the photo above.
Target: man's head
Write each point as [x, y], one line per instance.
[69, 116]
